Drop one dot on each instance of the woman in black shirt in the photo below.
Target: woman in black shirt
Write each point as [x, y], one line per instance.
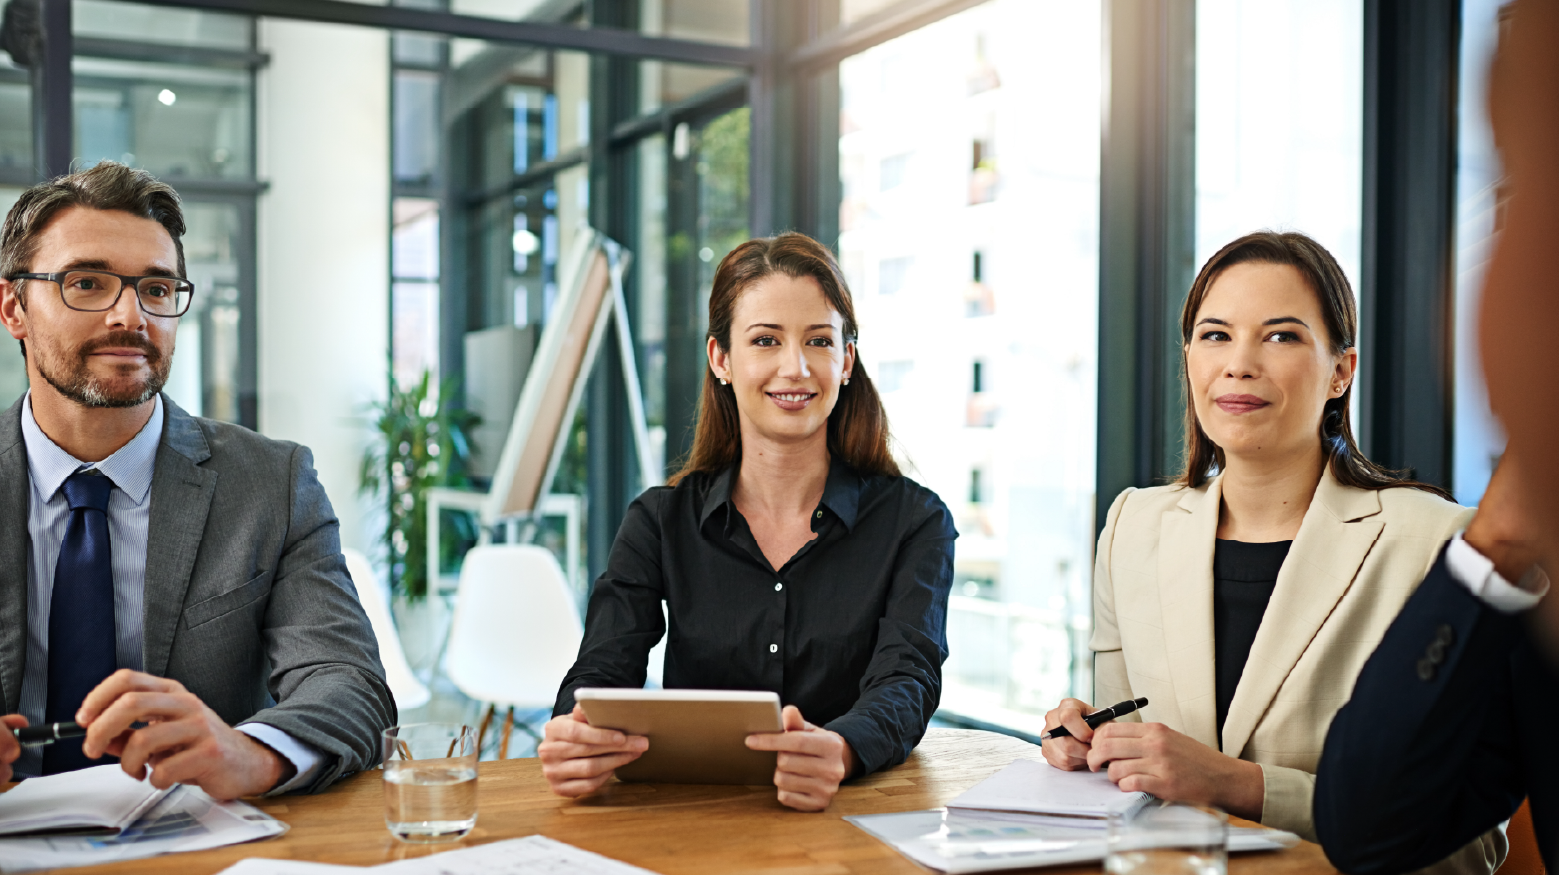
[789, 552]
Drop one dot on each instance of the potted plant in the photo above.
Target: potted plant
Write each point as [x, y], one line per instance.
[423, 442]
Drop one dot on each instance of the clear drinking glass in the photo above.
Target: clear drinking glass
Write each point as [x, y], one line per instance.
[1163, 839]
[430, 781]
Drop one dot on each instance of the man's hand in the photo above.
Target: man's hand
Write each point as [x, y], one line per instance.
[1069, 753]
[184, 742]
[10, 748]
[1505, 530]
[577, 758]
[812, 761]
[1152, 758]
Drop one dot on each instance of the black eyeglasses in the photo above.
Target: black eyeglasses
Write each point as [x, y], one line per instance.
[94, 291]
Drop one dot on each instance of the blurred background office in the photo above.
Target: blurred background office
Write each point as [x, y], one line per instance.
[380, 198]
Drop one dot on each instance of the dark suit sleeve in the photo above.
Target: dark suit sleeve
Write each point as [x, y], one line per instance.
[325, 675]
[1423, 759]
[624, 620]
[902, 685]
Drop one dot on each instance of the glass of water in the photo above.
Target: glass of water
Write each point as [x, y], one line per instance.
[1165, 839]
[430, 781]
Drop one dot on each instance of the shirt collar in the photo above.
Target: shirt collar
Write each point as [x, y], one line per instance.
[130, 467]
[841, 494]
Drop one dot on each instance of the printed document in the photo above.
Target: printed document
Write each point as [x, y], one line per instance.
[185, 819]
[102, 799]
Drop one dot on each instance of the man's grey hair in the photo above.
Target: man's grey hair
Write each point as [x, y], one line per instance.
[107, 185]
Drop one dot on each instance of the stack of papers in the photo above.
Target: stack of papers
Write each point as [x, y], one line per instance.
[1042, 789]
[181, 819]
[1028, 814]
[101, 800]
[532, 855]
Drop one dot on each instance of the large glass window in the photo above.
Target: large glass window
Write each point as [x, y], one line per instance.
[1479, 440]
[969, 159]
[186, 116]
[1279, 123]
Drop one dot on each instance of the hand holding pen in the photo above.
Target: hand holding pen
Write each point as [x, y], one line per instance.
[10, 747]
[1070, 730]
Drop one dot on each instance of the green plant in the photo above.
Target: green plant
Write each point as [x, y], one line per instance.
[424, 441]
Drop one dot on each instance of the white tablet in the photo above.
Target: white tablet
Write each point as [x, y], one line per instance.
[696, 736]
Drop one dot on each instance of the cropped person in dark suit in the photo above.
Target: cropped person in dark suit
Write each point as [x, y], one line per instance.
[156, 567]
[790, 554]
[1453, 720]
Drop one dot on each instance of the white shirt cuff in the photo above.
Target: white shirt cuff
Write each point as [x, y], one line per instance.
[1474, 571]
[305, 758]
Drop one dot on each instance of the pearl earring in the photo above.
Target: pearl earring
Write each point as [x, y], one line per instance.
[722, 381]
[847, 381]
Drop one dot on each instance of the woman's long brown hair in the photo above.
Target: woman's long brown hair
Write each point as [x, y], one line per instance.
[1203, 458]
[857, 427]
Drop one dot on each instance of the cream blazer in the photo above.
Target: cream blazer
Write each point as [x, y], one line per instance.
[1358, 556]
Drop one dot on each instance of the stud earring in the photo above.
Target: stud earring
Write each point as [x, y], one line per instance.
[723, 382]
[847, 381]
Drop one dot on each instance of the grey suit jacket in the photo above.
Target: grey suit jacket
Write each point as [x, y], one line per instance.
[248, 600]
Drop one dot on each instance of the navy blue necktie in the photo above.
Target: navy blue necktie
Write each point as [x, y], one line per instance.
[81, 615]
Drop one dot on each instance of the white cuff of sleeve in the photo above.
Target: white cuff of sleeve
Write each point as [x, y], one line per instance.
[1474, 571]
[304, 757]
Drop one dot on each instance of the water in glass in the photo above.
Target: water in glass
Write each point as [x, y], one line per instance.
[430, 781]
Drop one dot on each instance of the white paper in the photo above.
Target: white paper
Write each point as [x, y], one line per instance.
[532, 855]
[268, 866]
[959, 842]
[186, 819]
[1040, 788]
[97, 797]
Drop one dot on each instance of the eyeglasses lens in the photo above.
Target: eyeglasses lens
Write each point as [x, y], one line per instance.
[160, 296]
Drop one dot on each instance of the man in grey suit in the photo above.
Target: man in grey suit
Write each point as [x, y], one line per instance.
[174, 584]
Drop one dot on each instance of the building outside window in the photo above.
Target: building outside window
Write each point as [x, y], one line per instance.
[985, 337]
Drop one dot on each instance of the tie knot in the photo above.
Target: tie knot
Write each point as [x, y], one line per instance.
[88, 490]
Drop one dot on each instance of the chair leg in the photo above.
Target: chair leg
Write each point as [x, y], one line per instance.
[508, 729]
[481, 729]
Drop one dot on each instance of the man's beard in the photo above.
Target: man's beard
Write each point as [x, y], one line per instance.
[76, 381]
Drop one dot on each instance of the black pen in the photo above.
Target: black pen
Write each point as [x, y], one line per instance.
[48, 733]
[1120, 709]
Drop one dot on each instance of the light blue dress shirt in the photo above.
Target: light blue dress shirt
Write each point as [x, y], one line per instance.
[129, 522]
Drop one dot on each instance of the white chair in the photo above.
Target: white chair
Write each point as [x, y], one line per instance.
[515, 632]
[404, 686]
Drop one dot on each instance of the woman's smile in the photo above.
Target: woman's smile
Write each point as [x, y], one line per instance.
[794, 400]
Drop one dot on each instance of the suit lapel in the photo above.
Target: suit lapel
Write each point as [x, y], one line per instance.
[1187, 534]
[13, 557]
[1336, 535]
[181, 498]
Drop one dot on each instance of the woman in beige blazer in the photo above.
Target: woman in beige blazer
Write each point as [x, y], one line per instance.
[1243, 669]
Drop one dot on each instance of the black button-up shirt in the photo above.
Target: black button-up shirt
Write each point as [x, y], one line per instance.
[852, 629]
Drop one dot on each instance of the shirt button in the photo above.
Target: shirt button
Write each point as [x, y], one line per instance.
[778, 587]
[774, 648]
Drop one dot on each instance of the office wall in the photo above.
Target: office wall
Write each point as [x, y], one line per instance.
[323, 125]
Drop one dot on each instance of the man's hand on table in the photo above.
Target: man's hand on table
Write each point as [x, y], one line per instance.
[812, 761]
[10, 748]
[577, 758]
[184, 742]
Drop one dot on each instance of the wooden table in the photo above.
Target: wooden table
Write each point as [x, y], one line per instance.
[670, 829]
